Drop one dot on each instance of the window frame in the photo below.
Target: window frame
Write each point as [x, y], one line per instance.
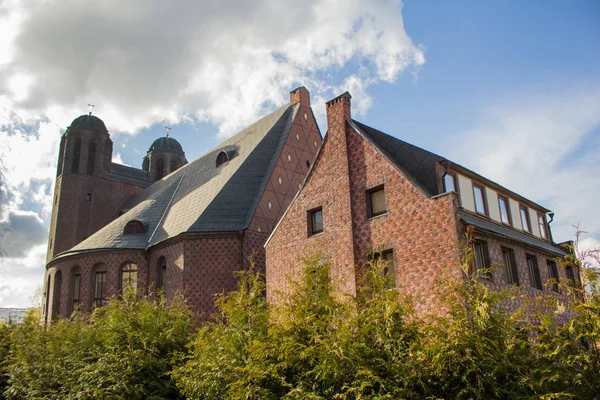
[101, 300]
[310, 213]
[543, 225]
[132, 269]
[507, 205]
[525, 209]
[486, 211]
[75, 297]
[511, 269]
[369, 194]
[485, 257]
[535, 276]
[553, 274]
[454, 182]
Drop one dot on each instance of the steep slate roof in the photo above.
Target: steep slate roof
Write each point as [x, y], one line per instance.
[418, 164]
[127, 174]
[199, 197]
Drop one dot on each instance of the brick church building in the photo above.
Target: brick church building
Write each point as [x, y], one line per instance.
[278, 191]
[171, 225]
[369, 191]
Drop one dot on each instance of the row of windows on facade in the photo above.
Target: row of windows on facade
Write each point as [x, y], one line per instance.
[482, 206]
[376, 205]
[160, 168]
[128, 281]
[481, 260]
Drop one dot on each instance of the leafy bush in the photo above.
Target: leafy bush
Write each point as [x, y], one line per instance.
[124, 351]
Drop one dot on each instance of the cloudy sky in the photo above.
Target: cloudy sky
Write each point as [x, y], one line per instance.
[510, 89]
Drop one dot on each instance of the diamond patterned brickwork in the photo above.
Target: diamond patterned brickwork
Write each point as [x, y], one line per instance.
[288, 174]
[86, 262]
[209, 266]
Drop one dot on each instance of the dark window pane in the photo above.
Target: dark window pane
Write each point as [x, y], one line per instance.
[76, 156]
[510, 266]
[553, 274]
[100, 289]
[534, 272]
[317, 221]
[91, 158]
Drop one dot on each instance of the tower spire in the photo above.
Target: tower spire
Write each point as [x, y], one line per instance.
[168, 129]
[90, 106]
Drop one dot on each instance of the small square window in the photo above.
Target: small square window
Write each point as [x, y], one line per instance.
[450, 183]
[376, 201]
[315, 221]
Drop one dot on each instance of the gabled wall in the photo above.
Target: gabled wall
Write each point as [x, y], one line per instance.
[421, 231]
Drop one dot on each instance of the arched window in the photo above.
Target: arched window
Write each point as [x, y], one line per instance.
[160, 169]
[133, 227]
[100, 285]
[174, 166]
[47, 297]
[91, 158]
[161, 274]
[56, 294]
[76, 156]
[75, 288]
[129, 276]
[222, 158]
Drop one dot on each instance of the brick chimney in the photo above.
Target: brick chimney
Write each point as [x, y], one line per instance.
[338, 109]
[300, 95]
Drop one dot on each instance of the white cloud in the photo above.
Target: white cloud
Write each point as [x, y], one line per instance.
[226, 62]
[143, 62]
[544, 147]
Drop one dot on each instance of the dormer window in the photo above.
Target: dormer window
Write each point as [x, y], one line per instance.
[134, 227]
[222, 158]
[480, 200]
[450, 182]
[542, 224]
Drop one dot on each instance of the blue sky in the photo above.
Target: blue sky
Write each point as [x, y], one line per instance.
[510, 89]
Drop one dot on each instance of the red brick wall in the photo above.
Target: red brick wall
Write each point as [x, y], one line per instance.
[175, 259]
[86, 262]
[499, 278]
[328, 186]
[421, 231]
[301, 145]
[75, 218]
[209, 264]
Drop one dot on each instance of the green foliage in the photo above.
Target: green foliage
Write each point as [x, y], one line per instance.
[475, 351]
[5, 332]
[124, 351]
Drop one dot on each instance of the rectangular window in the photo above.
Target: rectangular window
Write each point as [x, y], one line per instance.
[570, 274]
[504, 210]
[76, 291]
[388, 256]
[553, 274]
[542, 224]
[481, 257]
[376, 201]
[534, 272]
[510, 266]
[100, 292]
[315, 221]
[525, 223]
[450, 182]
[480, 201]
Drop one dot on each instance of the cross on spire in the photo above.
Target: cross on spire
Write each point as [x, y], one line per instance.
[91, 105]
[168, 129]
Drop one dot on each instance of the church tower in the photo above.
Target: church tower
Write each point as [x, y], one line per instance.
[84, 157]
[164, 156]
